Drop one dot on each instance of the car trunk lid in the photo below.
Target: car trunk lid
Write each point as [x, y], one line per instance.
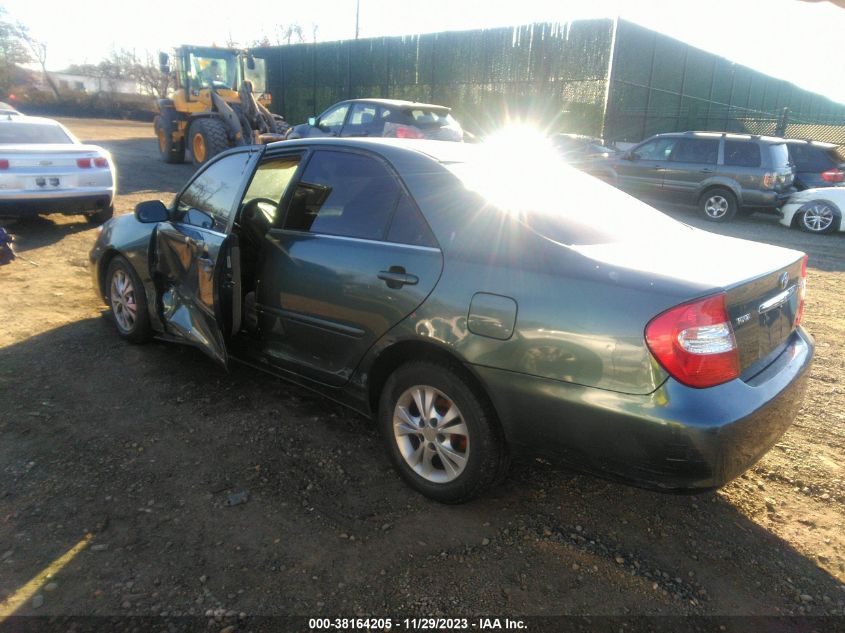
[761, 282]
[50, 156]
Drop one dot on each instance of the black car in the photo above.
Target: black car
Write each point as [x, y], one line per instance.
[816, 164]
[390, 118]
[720, 173]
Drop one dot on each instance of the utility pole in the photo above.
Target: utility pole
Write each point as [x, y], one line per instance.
[357, 15]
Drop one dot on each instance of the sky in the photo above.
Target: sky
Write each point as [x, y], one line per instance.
[791, 39]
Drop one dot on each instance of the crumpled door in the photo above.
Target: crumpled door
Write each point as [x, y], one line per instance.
[188, 265]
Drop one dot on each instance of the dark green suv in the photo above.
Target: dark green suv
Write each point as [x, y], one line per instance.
[719, 173]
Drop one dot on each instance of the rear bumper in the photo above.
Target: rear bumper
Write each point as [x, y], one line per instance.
[676, 438]
[766, 199]
[26, 203]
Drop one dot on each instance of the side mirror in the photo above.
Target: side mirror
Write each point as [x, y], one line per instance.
[250, 62]
[312, 121]
[151, 211]
[164, 63]
[629, 156]
[195, 217]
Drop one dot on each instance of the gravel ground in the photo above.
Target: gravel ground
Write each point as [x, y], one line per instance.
[147, 449]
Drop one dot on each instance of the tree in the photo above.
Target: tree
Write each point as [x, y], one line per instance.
[12, 52]
[38, 49]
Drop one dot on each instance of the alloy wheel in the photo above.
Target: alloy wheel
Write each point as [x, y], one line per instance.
[716, 206]
[431, 434]
[122, 295]
[817, 217]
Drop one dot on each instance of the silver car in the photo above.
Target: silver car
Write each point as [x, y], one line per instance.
[45, 169]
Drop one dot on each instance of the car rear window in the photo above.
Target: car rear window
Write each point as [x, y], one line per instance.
[809, 158]
[430, 117]
[15, 132]
[742, 154]
[780, 155]
[557, 201]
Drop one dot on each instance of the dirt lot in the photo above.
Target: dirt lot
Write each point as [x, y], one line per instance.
[141, 447]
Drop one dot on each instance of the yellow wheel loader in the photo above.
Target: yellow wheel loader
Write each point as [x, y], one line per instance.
[220, 101]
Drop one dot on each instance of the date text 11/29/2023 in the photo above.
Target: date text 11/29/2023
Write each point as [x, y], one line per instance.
[416, 624]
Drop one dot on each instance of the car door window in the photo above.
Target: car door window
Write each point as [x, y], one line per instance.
[742, 154]
[408, 225]
[363, 118]
[658, 149]
[332, 120]
[696, 150]
[341, 193]
[213, 193]
[269, 184]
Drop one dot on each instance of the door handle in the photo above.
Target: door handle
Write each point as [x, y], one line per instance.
[705, 171]
[396, 277]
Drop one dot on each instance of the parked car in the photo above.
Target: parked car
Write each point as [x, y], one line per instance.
[719, 173]
[382, 117]
[816, 164]
[7, 110]
[45, 169]
[575, 148]
[816, 210]
[472, 310]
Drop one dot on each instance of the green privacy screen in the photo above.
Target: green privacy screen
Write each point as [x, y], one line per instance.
[555, 74]
[592, 77]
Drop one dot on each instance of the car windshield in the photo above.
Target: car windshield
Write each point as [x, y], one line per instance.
[28, 133]
[557, 201]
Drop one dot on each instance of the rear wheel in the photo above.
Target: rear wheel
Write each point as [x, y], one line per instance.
[127, 300]
[208, 138]
[818, 217]
[440, 434]
[170, 151]
[718, 205]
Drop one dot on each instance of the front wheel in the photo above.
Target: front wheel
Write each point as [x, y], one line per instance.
[441, 435]
[718, 205]
[818, 217]
[208, 138]
[127, 301]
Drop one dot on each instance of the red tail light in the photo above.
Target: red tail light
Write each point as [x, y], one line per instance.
[101, 162]
[833, 175]
[83, 163]
[769, 180]
[695, 343]
[406, 131]
[802, 291]
[4, 164]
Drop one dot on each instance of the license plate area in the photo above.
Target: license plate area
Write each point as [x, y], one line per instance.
[46, 182]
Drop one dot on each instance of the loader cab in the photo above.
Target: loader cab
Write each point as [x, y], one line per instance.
[199, 68]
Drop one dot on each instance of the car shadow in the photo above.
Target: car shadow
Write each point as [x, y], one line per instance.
[37, 231]
[156, 442]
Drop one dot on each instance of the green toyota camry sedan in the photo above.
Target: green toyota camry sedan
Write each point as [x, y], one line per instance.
[476, 301]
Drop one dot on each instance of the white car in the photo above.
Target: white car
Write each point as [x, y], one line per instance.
[815, 210]
[45, 169]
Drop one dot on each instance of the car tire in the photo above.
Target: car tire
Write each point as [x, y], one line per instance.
[101, 216]
[718, 205]
[170, 151]
[208, 138]
[125, 291]
[818, 217]
[447, 467]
